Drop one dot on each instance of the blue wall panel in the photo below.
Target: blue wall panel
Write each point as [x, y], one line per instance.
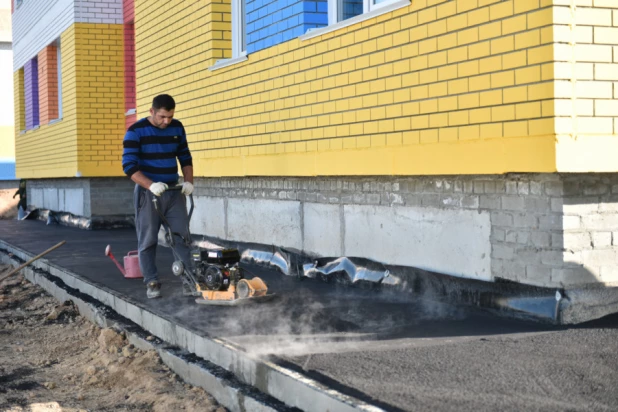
[7, 169]
[270, 22]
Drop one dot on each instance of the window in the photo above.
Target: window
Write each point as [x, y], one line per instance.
[344, 13]
[239, 36]
[340, 10]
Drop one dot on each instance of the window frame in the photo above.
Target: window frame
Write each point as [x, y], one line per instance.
[239, 29]
[239, 37]
[368, 6]
[386, 8]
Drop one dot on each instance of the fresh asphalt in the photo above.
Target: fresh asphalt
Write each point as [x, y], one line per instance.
[398, 352]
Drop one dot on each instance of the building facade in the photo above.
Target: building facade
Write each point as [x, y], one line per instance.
[473, 138]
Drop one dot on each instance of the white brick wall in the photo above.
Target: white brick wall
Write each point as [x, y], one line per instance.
[101, 11]
[590, 64]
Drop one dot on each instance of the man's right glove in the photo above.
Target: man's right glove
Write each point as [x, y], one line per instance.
[157, 188]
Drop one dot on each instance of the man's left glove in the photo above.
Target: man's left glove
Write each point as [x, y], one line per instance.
[187, 188]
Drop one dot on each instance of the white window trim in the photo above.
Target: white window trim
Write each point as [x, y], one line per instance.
[130, 112]
[239, 47]
[239, 39]
[228, 62]
[378, 10]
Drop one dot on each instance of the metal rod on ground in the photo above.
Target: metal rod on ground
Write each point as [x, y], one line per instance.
[32, 260]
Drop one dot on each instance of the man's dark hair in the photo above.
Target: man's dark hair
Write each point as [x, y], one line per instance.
[163, 101]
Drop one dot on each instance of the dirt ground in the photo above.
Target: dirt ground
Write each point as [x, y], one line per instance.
[8, 205]
[52, 359]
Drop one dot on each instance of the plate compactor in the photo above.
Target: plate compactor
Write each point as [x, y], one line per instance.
[214, 275]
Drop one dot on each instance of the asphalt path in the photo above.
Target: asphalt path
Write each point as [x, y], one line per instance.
[397, 351]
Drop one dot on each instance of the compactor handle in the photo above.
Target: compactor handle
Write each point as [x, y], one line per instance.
[179, 188]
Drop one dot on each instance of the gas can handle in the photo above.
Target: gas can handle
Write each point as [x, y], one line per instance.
[133, 252]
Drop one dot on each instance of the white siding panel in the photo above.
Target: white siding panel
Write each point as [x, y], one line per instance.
[36, 24]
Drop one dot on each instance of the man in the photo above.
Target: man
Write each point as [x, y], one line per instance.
[151, 147]
[22, 205]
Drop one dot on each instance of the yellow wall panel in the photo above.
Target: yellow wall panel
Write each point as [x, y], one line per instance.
[467, 79]
[87, 141]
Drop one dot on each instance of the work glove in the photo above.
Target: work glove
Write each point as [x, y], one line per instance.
[158, 188]
[187, 188]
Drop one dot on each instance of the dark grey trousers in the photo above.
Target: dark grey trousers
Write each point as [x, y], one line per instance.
[147, 223]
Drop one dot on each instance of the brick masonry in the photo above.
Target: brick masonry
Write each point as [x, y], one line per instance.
[546, 229]
[98, 196]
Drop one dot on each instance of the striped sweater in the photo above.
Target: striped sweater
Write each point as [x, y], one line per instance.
[154, 151]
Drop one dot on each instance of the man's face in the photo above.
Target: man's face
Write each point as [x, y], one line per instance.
[161, 118]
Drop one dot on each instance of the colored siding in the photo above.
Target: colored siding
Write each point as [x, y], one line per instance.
[19, 101]
[129, 72]
[100, 111]
[272, 22]
[200, 32]
[31, 93]
[88, 140]
[128, 11]
[435, 88]
[48, 84]
[38, 23]
[7, 169]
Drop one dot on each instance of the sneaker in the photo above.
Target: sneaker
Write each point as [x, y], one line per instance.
[153, 289]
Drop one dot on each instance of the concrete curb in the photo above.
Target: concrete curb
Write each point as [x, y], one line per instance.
[245, 377]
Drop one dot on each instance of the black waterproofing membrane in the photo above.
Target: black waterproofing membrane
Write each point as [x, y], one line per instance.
[522, 301]
[525, 301]
[88, 223]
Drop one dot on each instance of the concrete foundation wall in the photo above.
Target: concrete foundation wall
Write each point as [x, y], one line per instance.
[85, 197]
[540, 229]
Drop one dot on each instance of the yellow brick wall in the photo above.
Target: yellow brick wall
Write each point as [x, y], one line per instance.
[100, 97]
[19, 101]
[181, 38]
[49, 151]
[439, 87]
[87, 141]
